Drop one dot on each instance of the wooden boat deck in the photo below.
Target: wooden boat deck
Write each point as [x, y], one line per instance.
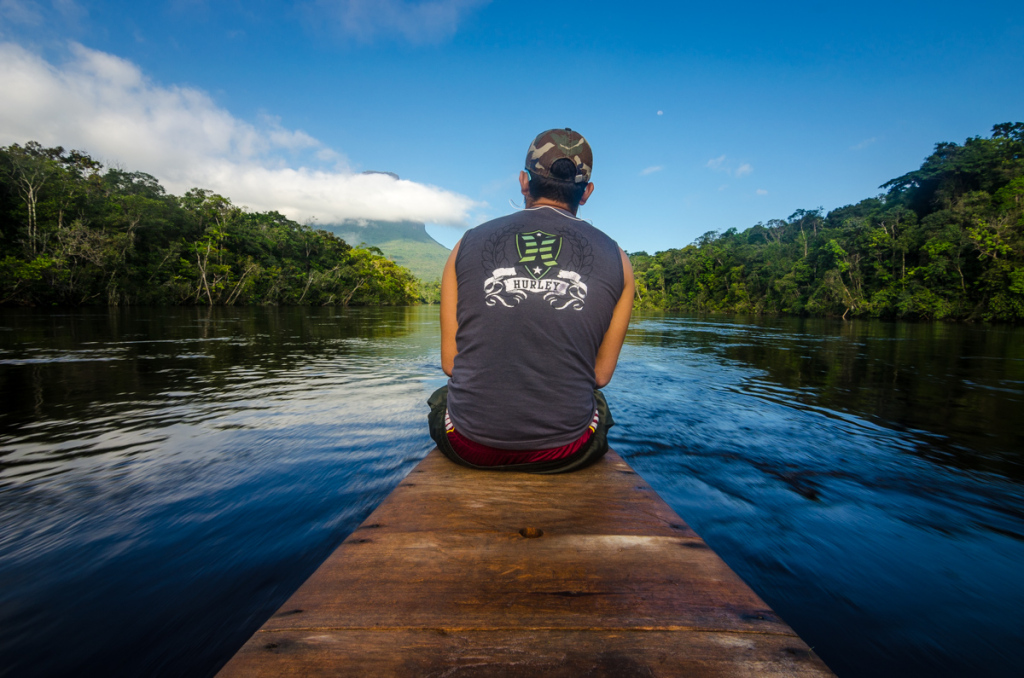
[469, 573]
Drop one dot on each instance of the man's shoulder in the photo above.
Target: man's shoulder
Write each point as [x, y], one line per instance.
[496, 223]
[535, 216]
[501, 231]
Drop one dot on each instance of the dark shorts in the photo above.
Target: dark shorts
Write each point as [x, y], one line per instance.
[587, 455]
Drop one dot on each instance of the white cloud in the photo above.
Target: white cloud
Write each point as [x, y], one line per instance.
[661, 112]
[761, 191]
[864, 144]
[105, 106]
[651, 170]
[17, 16]
[717, 163]
[417, 21]
[22, 12]
[70, 9]
[722, 164]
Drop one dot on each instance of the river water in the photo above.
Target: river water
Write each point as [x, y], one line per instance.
[169, 476]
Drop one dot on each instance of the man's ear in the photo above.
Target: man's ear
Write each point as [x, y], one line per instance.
[586, 193]
[524, 183]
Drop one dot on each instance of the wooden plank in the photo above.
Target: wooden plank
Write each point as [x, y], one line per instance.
[440, 580]
[531, 654]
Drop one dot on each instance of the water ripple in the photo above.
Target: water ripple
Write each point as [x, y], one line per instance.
[183, 470]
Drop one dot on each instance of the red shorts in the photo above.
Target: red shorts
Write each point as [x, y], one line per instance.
[484, 455]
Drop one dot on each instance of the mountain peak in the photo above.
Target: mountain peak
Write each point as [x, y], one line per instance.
[390, 174]
[407, 242]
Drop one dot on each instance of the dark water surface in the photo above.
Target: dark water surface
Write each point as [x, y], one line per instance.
[169, 476]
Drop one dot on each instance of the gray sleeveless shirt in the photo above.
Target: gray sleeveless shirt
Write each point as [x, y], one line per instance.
[536, 294]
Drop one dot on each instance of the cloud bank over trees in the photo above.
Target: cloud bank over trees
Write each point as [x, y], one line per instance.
[105, 106]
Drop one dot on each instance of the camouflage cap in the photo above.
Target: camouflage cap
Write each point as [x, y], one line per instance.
[556, 144]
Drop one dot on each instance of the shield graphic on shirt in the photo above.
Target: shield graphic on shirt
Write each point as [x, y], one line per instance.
[538, 252]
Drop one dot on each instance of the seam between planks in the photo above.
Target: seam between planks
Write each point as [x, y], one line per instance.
[554, 629]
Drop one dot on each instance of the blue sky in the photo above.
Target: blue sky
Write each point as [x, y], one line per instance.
[702, 116]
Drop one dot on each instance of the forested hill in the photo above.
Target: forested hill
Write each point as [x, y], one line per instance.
[72, 233]
[945, 241]
[406, 242]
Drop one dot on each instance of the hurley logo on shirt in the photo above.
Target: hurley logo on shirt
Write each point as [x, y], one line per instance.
[538, 255]
[538, 251]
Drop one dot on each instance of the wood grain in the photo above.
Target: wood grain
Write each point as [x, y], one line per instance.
[440, 580]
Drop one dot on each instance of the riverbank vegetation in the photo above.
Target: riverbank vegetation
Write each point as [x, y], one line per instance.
[945, 241]
[73, 233]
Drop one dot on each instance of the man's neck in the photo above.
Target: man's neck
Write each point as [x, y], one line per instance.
[546, 202]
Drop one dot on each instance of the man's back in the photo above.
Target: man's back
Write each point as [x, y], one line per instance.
[536, 293]
[534, 310]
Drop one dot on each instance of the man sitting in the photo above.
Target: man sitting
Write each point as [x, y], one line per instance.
[534, 309]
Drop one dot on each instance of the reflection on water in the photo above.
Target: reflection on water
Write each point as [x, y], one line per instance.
[864, 478]
[965, 383]
[169, 476]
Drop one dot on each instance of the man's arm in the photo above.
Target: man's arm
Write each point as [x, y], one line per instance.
[608, 353]
[449, 303]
